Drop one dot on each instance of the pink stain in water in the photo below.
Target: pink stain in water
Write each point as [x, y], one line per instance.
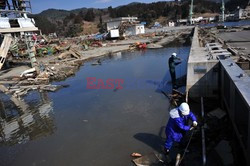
[93, 83]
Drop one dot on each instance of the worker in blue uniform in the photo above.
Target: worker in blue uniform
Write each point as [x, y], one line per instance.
[178, 125]
[172, 62]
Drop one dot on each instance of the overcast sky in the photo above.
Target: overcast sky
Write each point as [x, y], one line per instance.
[40, 5]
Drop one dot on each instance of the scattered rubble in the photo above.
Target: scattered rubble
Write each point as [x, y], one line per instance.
[19, 91]
[152, 46]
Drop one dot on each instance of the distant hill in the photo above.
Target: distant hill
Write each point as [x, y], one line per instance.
[70, 23]
[55, 13]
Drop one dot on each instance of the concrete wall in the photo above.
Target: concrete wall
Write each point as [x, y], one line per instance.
[221, 79]
[235, 97]
[202, 74]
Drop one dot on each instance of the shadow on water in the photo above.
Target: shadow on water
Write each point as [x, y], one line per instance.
[156, 142]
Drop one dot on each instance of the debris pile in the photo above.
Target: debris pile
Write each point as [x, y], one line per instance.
[20, 91]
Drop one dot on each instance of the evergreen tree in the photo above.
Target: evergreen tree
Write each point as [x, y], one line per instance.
[78, 19]
[111, 11]
[100, 25]
[90, 16]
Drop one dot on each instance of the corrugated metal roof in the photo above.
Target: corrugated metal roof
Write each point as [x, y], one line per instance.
[25, 22]
[4, 23]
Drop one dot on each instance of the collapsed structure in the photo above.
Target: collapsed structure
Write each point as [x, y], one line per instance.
[124, 26]
[18, 36]
[15, 26]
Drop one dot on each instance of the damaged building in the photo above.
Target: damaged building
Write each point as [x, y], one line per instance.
[15, 26]
[124, 26]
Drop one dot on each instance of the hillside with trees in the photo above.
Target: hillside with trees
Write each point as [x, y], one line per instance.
[75, 22]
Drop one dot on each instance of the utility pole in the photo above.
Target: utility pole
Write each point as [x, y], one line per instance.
[191, 12]
[223, 11]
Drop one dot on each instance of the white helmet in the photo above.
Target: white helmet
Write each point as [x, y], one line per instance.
[184, 108]
[174, 54]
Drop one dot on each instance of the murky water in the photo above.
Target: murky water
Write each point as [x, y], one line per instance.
[93, 127]
[229, 24]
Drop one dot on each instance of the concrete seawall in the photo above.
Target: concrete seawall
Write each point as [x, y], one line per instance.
[202, 74]
[226, 81]
[235, 97]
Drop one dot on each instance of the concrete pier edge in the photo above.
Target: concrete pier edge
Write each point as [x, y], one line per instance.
[225, 81]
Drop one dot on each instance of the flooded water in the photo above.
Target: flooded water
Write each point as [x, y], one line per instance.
[228, 24]
[93, 127]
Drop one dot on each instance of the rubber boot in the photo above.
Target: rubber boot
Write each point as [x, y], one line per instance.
[168, 159]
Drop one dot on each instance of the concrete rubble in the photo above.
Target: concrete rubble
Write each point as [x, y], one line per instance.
[234, 43]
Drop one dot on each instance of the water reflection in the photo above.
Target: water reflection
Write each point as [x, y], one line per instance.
[98, 127]
[228, 24]
[25, 123]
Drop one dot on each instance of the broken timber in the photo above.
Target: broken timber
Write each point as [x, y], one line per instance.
[17, 30]
[4, 49]
[149, 159]
[71, 52]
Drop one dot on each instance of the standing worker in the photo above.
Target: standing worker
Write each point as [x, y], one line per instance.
[172, 63]
[178, 125]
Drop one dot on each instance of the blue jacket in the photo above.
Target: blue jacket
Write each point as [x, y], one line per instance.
[178, 124]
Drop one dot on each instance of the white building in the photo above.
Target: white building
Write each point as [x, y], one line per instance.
[135, 30]
[242, 14]
[171, 24]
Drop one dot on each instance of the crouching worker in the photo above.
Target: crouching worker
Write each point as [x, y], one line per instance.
[178, 125]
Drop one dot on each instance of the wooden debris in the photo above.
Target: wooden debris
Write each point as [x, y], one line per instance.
[19, 91]
[3, 89]
[150, 159]
[178, 157]
[136, 155]
[69, 53]
[28, 73]
[4, 49]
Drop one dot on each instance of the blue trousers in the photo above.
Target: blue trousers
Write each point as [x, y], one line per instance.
[168, 143]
